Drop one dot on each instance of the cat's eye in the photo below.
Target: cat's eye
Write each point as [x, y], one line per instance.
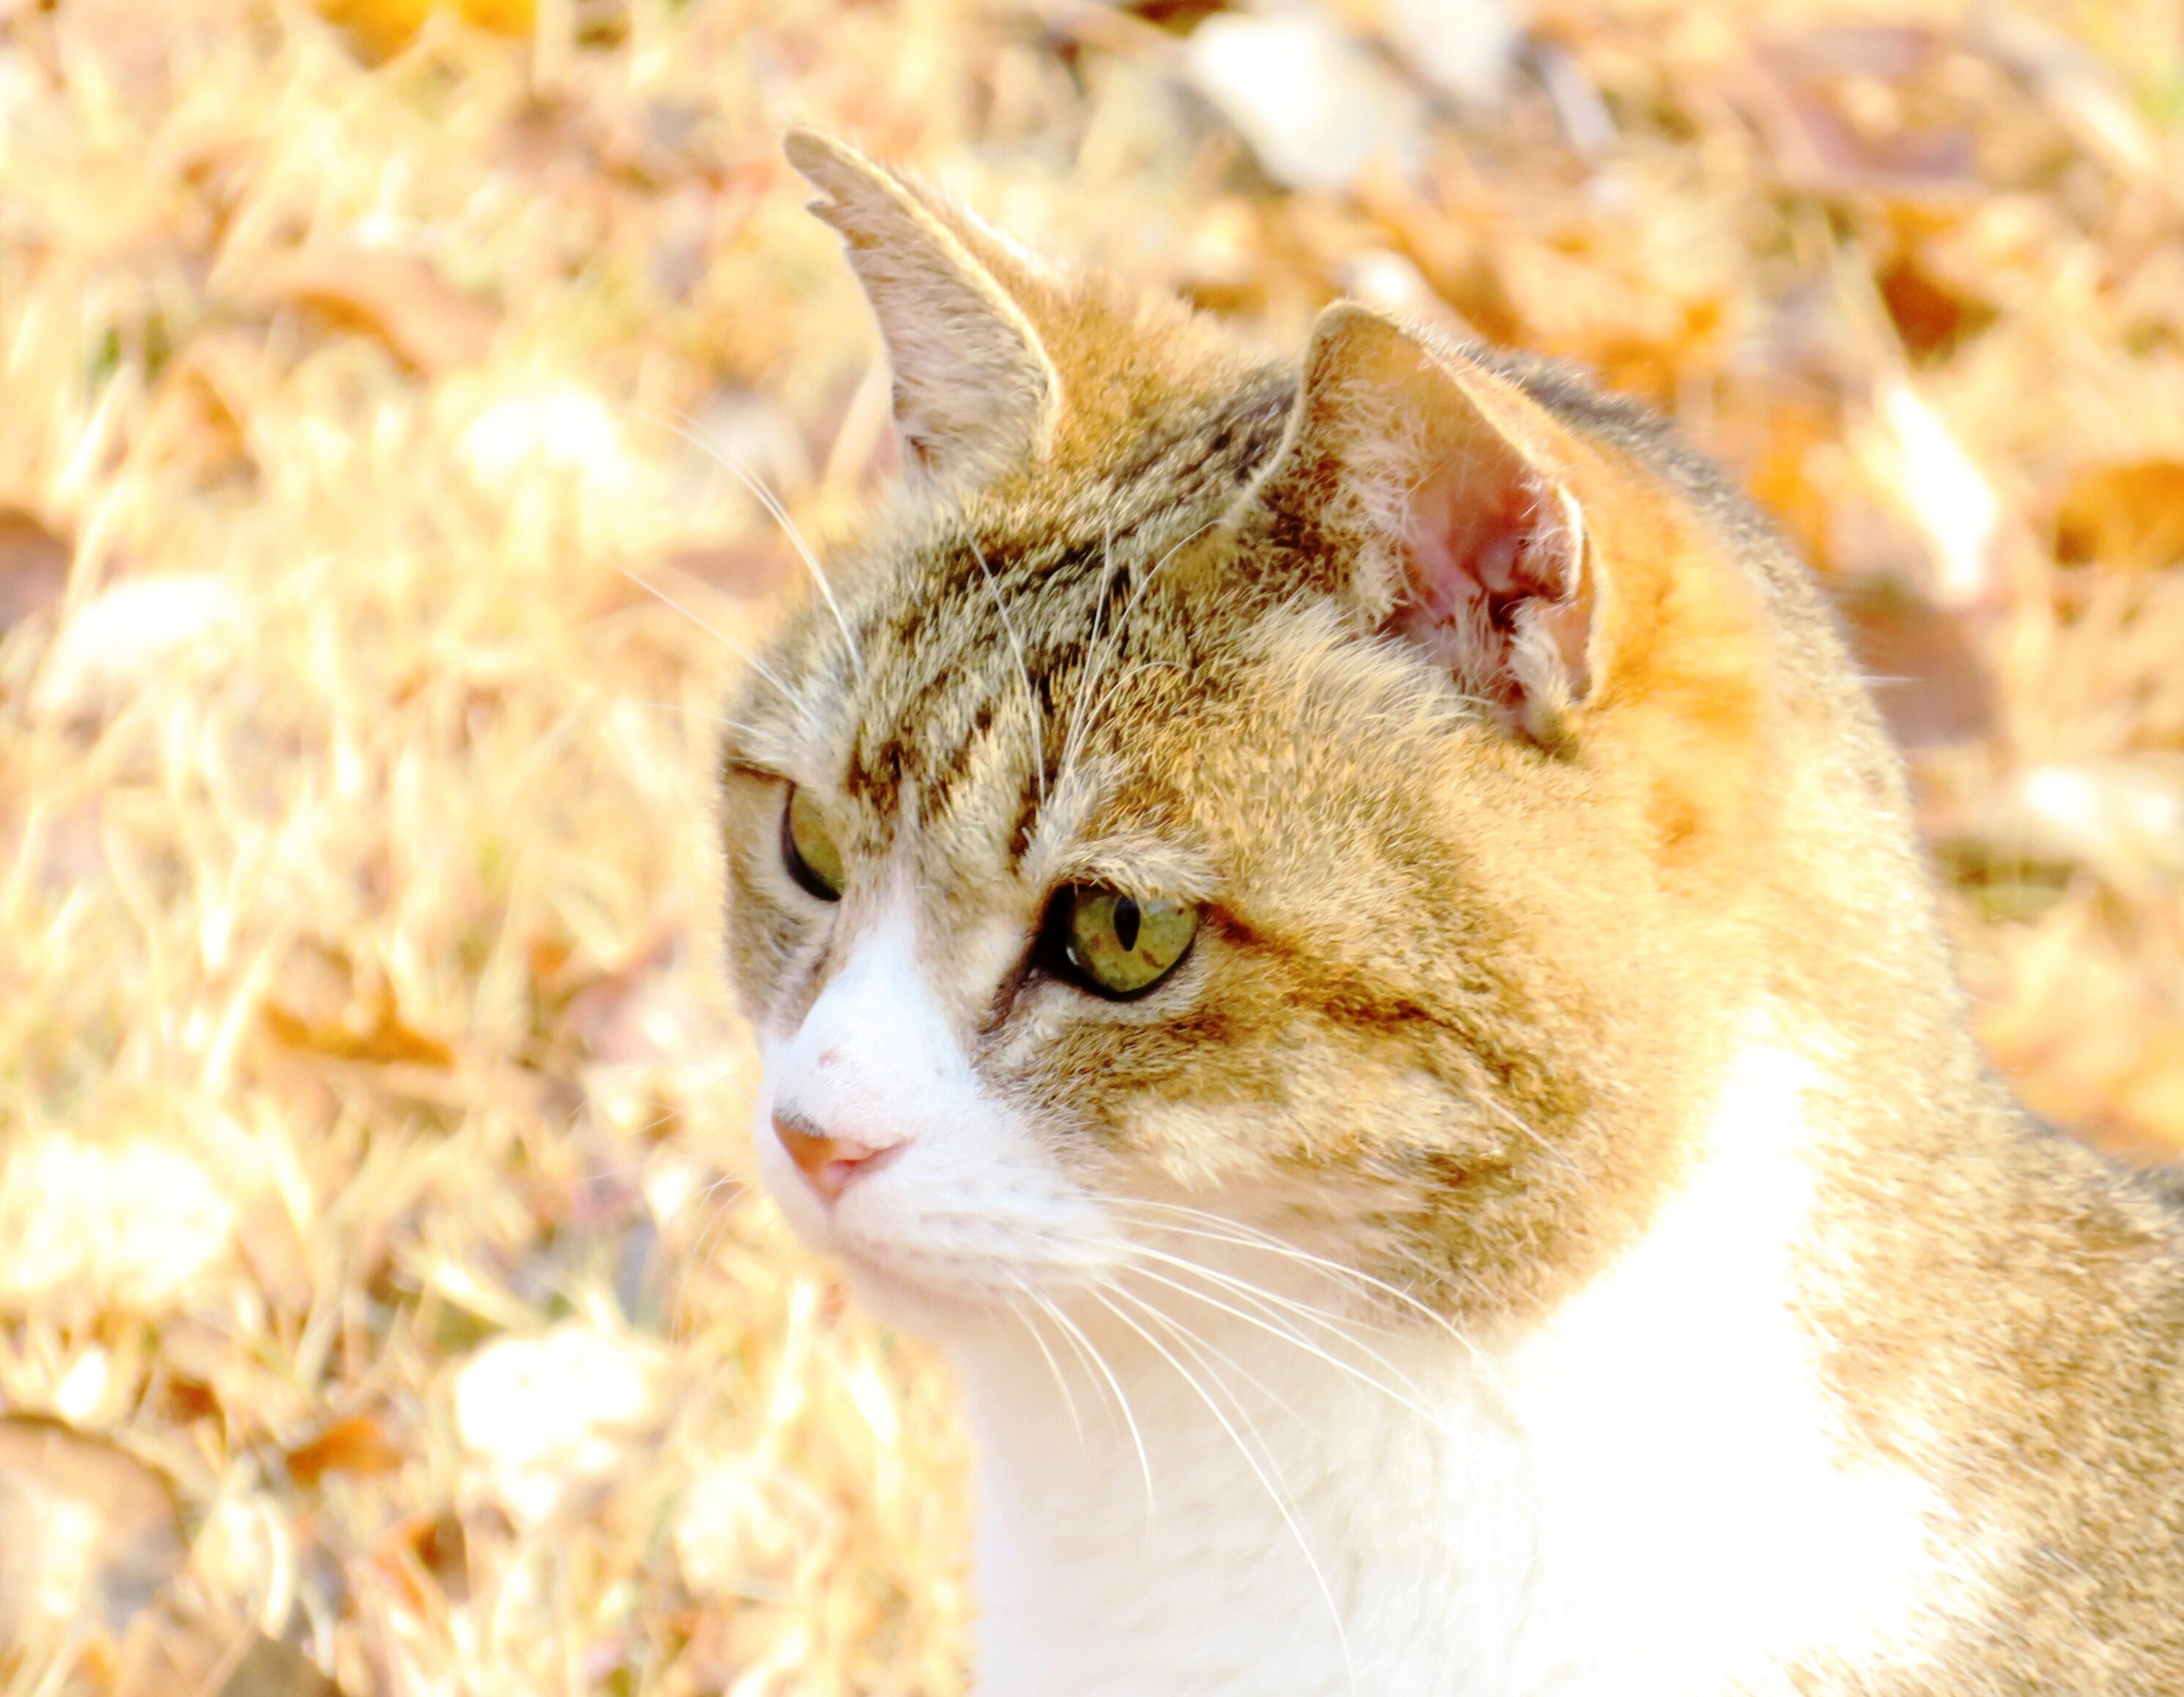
[809, 849]
[1116, 944]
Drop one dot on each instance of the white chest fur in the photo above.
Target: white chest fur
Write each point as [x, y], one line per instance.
[1649, 1496]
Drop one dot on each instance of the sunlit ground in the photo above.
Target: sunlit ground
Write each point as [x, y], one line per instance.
[382, 1294]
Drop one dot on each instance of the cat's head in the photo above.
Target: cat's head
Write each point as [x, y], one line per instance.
[1339, 805]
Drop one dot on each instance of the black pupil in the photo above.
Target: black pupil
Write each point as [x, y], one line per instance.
[1126, 922]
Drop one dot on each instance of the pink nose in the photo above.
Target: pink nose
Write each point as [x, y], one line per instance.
[829, 1163]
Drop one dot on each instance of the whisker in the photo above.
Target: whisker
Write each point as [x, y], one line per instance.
[1249, 1292]
[1061, 1382]
[1114, 687]
[1278, 1497]
[1413, 1402]
[1138, 593]
[1559, 1157]
[1071, 1328]
[711, 1079]
[1078, 1345]
[1023, 671]
[689, 712]
[689, 1269]
[691, 1264]
[1235, 1232]
[1115, 632]
[713, 630]
[1198, 1341]
[1231, 1230]
[1344, 1326]
[1071, 744]
[706, 1195]
[695, 433]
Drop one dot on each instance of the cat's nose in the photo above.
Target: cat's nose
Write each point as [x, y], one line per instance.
[829, 1162]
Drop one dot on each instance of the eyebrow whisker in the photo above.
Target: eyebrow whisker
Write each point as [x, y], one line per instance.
[713, 630]
[1023, 671]
[695, 434]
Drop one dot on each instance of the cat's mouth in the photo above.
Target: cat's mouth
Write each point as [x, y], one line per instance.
[942, 1218]
[957, 1257]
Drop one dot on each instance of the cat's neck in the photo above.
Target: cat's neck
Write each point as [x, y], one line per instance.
[1651, 1491]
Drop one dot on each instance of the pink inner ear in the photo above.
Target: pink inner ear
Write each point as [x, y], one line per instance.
[1489, 559]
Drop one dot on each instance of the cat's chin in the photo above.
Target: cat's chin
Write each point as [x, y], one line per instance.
[921, 1301]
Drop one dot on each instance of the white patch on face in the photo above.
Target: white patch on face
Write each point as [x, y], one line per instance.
[969, 1200]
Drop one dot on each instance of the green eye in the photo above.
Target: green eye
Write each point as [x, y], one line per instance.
[1117, 945]
[813, 860]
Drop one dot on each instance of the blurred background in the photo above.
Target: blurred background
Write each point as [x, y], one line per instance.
[385, 1305]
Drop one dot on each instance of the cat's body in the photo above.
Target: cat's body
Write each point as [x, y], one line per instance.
[1546, 1228]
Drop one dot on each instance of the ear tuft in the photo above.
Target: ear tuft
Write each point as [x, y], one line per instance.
[974, 391]
[1436, 479]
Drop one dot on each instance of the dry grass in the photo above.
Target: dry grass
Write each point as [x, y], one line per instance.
[381, 1289]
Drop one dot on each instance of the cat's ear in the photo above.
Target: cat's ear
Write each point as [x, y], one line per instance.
[974, 390]
[1436, 483]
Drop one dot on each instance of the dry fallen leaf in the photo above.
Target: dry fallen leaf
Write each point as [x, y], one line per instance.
[270, 1668]
[1826, 143]
[398, 298]
[2084, 95]
[324, 1004]
[2121, 818]
[371, 1032]
[1595, 306]
[384, 27]
[34, 567]
[1944, 492]
[130, 1224]
[629, 1016]
[540, 1415]
[360, 1446]
[1313, 103]
[1931, 314]
[87, 1532]
[2129, 515]
[2092, 1037]
[191, 1651]
[138, 630]
[433, 1547]
[1464, 47]
[1926, 674]
[743, 1519]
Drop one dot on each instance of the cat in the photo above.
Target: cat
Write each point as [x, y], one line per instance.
[1347, 940]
